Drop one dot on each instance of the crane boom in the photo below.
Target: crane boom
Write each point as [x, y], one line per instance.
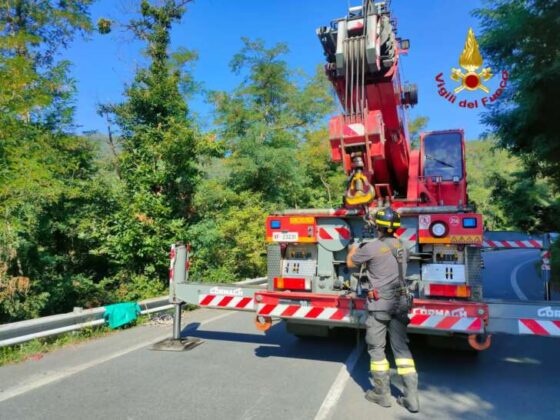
[369, 138]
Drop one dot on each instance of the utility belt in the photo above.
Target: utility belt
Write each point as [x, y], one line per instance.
[387, 293]
[390, 300]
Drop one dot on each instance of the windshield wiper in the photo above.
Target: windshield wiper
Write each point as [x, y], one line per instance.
[439, 161]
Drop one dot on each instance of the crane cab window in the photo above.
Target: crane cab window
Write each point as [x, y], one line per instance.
[443, 156]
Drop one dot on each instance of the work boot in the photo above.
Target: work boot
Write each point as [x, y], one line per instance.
[410, 399]
[381, 394]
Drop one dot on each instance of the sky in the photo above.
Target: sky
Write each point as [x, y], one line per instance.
[437, 30]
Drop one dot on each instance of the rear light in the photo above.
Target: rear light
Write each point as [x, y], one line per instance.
[447, 290]
[438, 229]
[292, 283]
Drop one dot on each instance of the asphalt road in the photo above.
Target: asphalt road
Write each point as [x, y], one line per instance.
[241, 373]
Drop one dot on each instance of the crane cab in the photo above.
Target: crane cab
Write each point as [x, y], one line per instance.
[441, 177]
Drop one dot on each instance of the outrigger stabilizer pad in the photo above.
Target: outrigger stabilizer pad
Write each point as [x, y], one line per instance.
[172, 344]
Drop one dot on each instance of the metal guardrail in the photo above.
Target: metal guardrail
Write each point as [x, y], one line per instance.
[250, 282]
[22, 331]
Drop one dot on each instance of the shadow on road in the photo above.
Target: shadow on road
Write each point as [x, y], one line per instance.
[278, 343]
[516, 378]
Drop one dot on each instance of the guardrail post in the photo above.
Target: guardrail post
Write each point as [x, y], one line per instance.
[545, 267]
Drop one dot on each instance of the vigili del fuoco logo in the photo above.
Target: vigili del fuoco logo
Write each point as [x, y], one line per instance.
[471, 77]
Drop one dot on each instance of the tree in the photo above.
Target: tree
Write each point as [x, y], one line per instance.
[159, 158]
[486, 162]
[522, 38]
[275, 155]
[507, 195]
[528, 203]
[42, 166]
[263, 122]
[33, 85]
[325, 180]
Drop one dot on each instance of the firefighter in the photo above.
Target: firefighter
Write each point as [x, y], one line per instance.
[388, 304]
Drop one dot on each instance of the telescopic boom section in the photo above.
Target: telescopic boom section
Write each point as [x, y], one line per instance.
[369, 138]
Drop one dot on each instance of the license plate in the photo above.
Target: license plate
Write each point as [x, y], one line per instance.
[285, 236]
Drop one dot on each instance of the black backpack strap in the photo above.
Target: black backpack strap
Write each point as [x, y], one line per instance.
[398, 254]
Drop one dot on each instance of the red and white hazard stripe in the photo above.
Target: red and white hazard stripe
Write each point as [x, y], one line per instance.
[406, 234]
[172, 256]
[532, 243]
[308, 312]
[330, 233]
[446, 323]
[539, 327]
[220, 301]
[351, 130]
[347, 212]
[417, 321]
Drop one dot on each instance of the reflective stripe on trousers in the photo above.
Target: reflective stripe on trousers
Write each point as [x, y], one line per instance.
[379, 365]
[405, 366]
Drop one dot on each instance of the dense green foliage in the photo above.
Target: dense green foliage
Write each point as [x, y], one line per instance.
[505, 194]
[523, 37]
[87, 223]
[88, 220]
[43, 169]
[482, 173]
[274, 156]
[158, 162]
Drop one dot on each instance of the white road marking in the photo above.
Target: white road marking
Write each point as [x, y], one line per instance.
[45, 379]
[336, 389]
[513, 278]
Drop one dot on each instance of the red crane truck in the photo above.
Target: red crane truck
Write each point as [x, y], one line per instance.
[309, 285]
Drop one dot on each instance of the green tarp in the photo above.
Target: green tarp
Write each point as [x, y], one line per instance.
[121, 313]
